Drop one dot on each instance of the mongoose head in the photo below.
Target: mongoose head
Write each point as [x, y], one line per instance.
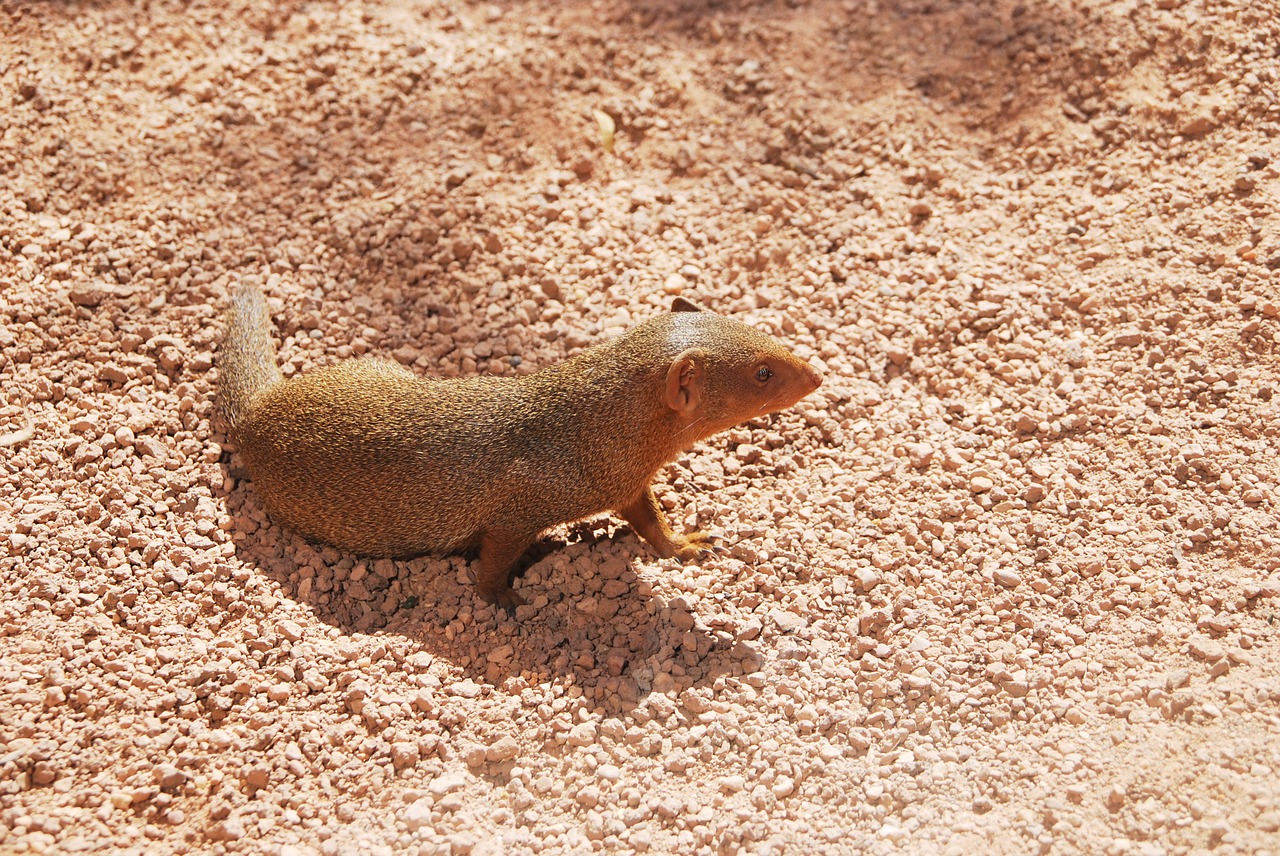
[725, 372]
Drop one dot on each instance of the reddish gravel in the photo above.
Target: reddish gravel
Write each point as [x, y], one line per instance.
[1008, 583]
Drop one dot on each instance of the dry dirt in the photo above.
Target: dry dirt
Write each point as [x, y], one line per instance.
[1008, 583]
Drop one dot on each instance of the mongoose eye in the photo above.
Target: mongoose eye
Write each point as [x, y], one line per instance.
[763, 374]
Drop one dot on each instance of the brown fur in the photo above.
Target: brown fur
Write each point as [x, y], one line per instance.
[369, 457]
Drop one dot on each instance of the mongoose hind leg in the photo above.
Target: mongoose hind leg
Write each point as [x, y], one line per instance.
[499, 551]
[646, 517]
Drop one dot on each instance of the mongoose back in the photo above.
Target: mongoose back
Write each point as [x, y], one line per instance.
[369, 457]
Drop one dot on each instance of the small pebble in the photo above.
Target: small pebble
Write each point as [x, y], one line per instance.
[1006, 577]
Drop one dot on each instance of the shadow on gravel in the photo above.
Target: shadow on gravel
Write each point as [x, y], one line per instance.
[617, 647]
[989, 62]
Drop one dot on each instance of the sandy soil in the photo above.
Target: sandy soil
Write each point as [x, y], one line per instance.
[1007, 584]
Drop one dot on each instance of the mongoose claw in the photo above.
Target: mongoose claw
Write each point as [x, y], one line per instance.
[696, 546]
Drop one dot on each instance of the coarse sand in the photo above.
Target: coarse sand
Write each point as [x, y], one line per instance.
[1007, 583]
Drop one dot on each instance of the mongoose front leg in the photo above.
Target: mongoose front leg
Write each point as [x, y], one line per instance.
[646, 517]
[499, 551]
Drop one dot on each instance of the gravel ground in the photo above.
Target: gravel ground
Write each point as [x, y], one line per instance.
[1008, 583]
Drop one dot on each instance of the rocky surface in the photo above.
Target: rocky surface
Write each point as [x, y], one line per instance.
[1008, 583]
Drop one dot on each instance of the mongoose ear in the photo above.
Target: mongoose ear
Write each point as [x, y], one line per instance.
[680, 304]
[685, 380]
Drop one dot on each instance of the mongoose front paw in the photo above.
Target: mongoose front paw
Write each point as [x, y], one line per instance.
[696, 545]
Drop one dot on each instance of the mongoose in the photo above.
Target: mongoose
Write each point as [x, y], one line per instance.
[369, 457]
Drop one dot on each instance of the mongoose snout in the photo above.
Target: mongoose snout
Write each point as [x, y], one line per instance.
[369, 457]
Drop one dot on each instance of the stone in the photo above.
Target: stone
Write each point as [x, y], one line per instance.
[418, 814]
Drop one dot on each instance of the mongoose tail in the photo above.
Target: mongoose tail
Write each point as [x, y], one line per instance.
[247, 362]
